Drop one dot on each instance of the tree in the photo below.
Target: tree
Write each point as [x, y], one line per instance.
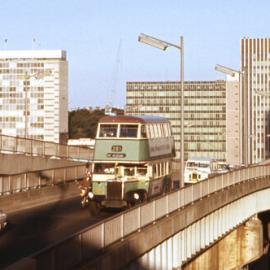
[83, 123]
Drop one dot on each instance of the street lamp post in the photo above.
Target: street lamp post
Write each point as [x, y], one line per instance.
[234, 73]
[163, 45]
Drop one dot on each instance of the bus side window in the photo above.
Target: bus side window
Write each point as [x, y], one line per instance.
[154, 173]
[148, 131]
[166, 130]
[162, 130]
[143, 131]
[151, 128]
[159, 131]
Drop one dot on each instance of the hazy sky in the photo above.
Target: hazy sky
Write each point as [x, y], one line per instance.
[100, 37]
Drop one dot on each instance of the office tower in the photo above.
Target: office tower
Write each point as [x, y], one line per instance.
[233, 120]
[34, 94]
[255, 91]
[204, 113]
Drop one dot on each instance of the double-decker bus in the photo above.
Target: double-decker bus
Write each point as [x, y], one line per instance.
[132, 160]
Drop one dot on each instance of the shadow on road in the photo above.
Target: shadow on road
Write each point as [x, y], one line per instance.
[34, 229]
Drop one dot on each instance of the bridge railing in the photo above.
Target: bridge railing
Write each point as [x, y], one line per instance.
[36, 179]
[84, 244]
[33, 147]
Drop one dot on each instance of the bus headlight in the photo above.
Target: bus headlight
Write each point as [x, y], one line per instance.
[82, 193]
[91, 195]
[136, 196]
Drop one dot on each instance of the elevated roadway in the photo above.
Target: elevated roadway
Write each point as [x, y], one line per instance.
[39, 227]
[20, 145]
[176, 226]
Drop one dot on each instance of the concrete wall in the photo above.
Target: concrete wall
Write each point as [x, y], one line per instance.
[37, 197]
[17, 163]
[120, 254]
[238, 248]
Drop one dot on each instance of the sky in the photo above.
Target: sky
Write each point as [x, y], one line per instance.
[101, 39]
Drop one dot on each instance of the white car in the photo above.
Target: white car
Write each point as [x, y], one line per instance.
[3, 220]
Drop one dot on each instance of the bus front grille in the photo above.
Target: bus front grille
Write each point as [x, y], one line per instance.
[114, 191]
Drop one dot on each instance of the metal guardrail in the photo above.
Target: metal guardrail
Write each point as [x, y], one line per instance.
[36, 179]
[10, 144]
[105, 233]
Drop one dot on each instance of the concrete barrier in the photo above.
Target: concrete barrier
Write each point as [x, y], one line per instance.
[23, 264]
[18, 163]
[37, 197]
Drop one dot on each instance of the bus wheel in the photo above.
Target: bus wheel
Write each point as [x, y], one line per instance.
[167, 185]
[143, 196]
[94, 208]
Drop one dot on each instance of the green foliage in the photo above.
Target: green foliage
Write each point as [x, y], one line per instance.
[83, 123]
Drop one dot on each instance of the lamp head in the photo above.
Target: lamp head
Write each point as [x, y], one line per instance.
[152, 42]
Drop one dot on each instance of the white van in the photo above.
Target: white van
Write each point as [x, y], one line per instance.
[200, 168]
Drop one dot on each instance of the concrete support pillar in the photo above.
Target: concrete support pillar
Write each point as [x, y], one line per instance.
[215, 225]
[193, 239]
[238, 248]
[207, 233]
[175, 251]
[183, 245]
[164, 255]
[252, 240]
[198, 236]
[158, 257]
[268, 230]
[170, 253]
[211, 228]
[203, 229]
[151, 260]
[188, 241]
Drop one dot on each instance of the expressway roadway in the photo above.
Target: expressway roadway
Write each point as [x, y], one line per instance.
[33, 229]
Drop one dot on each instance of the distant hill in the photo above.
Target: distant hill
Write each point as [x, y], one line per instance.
[82, 123]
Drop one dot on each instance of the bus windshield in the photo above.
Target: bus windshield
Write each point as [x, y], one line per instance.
[108, 130]
[128, 131]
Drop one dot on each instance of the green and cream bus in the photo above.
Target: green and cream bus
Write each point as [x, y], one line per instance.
[132, 160]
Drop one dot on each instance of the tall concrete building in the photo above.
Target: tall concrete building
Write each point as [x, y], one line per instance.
[233, 121]
[204, 113]
[255, 91]
[34, 94]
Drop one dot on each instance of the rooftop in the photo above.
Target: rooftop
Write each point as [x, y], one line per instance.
[33, 54]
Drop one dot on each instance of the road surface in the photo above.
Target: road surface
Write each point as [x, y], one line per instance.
[33, 229]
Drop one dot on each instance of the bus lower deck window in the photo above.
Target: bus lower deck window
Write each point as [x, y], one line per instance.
[104, 168]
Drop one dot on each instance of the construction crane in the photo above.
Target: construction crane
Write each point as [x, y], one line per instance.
[114, 81]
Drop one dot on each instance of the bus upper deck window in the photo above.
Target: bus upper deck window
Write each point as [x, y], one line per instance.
[108, 131]
[129, 131]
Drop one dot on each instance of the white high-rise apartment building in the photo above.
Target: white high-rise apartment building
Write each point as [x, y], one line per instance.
[34, 94]
[255, 92]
